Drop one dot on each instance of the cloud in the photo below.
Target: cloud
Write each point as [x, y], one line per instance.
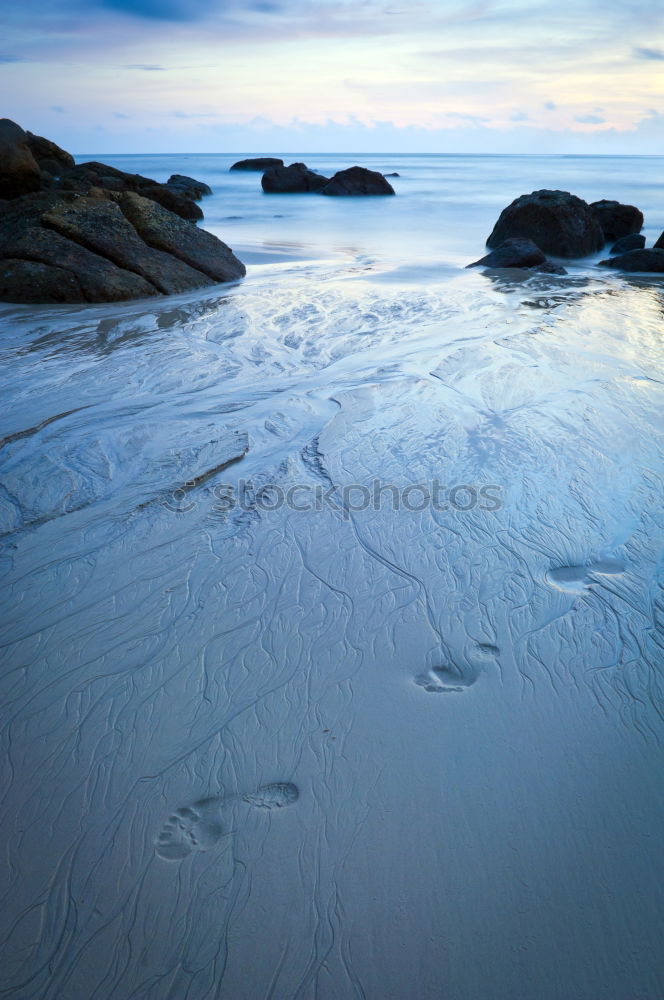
[161, 10]
[520, 116]
[549, 106]
[590, 119]
[60, 110]
[656, 54]
[147, 67]
[10, 59]
[119, 114]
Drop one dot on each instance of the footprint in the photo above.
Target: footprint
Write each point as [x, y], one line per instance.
[445, 679]
[575, 578]
[200, 826]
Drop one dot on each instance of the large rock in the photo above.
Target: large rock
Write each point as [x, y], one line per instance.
[258, 163]
[635, 241]
[85, 176]
[357, 181]
[515, 252]
[174, 201]
[617, 220]
[188, 187]
[659, 245]
[49, 156]
[40, 265]
[650, 260]
[557, 221]
[19, 171]
[167, 232]
[99, 226]
[292, 179]
[57, 246]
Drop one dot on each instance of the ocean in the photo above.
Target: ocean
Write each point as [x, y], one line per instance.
[332, 606]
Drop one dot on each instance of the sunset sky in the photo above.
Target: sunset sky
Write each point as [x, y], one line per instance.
[328, 75]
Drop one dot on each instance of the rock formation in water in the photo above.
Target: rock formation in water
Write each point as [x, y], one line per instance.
[518, 252]
[617, 220]
[258, 163]
[635, 241]
[293, 179]
[650, 260]
[92, 233]
[558, 222]
[357, 181]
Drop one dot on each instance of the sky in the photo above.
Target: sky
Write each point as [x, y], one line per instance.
[280, 76]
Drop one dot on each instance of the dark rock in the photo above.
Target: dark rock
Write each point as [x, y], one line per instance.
[50, 157]
[659, 245]
[165, 231]
[171, 199]
[87, 276]
[617, 220]
[292, 179]
[357, 181]
[19, 171]
[258, 163]
[650, 260]
[29, 281]
[188, 187]
[392, 175]
[87, 250]
[100, 227]
[548, 267]
[83, 175]
[635, 241]
[515, 252]
[558, 222]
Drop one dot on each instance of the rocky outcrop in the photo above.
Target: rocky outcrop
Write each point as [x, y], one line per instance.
[556, 221]
[645, 261]
[617, 220]
[58, 246]
[259, 163]
[50, 158]
[357, 181]
[635, 241]
[188, 187]
[170, 198]
[292, 179]
[85, 176]
[19, 171]
[659, 244]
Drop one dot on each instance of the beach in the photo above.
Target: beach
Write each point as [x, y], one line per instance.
[332, 608]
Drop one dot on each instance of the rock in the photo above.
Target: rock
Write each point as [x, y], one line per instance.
[171, 199]
[100, 227]
[165, 231]
[357, 181]
[515, 252]
[392, 175]
[56, 246]
[635, 241]
[188, 187]
[101, 175]
[19, 171]
[86, 277]
[558, 222]
[650, 260]
[548, 267]
[50, 157]
[295, 178]
[617, 220]
[659, 245]
[258, 163]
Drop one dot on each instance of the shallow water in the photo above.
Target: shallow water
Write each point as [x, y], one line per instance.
[252, 751]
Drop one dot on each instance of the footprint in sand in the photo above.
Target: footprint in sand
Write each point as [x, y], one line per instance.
[445, 679]
[575, 578]
[200, 826]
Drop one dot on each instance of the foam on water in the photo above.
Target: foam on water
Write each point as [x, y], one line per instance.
[178, 670]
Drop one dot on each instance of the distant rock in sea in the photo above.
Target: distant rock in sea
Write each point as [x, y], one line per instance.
[258, 163]
[519, 252]
[357, 181]
[635, 241]
[646, 261]
[292, 179]
[92, 233]
[617, 220]
[659, 244]
[557, 221]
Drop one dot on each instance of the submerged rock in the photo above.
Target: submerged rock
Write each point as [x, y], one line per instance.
[19, 171]
[57, 246]
[357, 181]
[557, 221]
[650, 260]
[517, 252]
[258, 163]
[292, 179]
[617, 220]
[635, 241]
